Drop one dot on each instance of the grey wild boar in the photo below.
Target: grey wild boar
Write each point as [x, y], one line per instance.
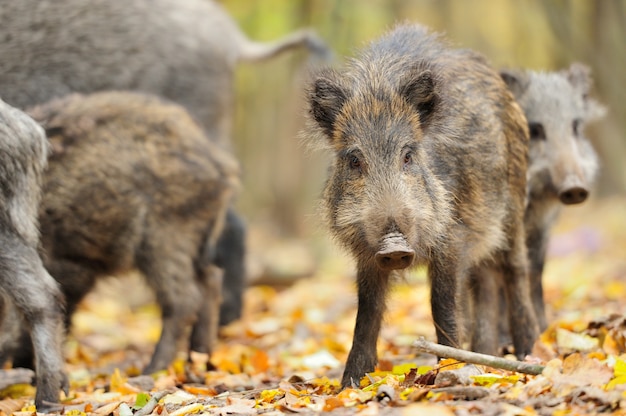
[562, 162]
[25, 286]
[430, 168]
[134, 183]
[561, 168]
[183, 50]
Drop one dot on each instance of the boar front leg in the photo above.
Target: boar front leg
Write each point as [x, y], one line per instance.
[444, 275]
[373, 285]
[38, 298]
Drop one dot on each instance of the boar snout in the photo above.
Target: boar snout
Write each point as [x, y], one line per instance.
[394, 253]
[574, 195]
[573, 192]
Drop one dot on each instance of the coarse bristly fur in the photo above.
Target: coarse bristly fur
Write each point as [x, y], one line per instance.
[134, 183]
[562, 161]
[24, 283]
[430, 155]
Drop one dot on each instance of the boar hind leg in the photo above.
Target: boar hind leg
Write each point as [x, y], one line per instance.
[37, 297]
[372, 290]
[485, 300]
[204, 331]
[173, 279]
[537, 243]
[522, 320]
[231, 253]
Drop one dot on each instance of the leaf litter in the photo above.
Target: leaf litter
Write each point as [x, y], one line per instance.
[285, 355]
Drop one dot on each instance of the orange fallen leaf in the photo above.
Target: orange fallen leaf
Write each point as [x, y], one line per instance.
[200, 390]
[332, 403]
[260, 361]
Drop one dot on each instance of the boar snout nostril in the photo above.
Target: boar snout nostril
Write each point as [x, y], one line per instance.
[394, 260]
[575, 195]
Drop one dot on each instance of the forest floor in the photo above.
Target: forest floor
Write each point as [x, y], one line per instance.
[286, 354]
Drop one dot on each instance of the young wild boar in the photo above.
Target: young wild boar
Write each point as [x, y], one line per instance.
[183, 50]
[562, 163]
[24, 283]
[430, 168]
[133, 183]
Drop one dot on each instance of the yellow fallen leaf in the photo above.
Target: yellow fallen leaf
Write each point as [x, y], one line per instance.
[117, 380]
[18, 390]
[268, 396]
[450, 364]
[489, 379]
[402, 369]
[189, 409]
[616, 382]
[75, 412]
[619, 369]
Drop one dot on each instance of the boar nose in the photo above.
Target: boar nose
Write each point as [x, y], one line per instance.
[394, 260]
[573, 195]
[394, 253]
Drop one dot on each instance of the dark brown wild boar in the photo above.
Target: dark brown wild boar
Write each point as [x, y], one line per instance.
[133, 183]
[430, 168]
[24, 283]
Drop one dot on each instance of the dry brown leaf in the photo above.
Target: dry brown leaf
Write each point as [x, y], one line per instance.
[107, 409]
[9, 406]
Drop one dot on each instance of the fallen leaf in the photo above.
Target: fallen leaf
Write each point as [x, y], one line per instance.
[568, 341]
[9, 406]
[426, 409]
[188, 410]
[487, 380]
[321, 359]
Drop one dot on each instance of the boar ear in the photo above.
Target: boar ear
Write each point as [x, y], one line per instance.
[326, 98]
[515, 80]
[420, 92]
[579, 75]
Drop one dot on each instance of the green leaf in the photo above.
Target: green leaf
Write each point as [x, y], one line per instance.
[141, 400]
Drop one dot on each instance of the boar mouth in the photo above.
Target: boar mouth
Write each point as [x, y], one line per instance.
[394, 253]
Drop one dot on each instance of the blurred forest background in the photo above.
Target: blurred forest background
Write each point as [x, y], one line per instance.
[283, 179]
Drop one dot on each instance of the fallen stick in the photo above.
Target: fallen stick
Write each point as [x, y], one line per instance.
[9, 377]
[476, 358]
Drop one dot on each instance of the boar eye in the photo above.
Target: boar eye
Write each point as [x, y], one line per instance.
[536, 131]
[355, 162]
[576, 124]
[408, 158]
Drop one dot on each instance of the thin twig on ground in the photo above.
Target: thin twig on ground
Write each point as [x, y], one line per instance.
[476, 358]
